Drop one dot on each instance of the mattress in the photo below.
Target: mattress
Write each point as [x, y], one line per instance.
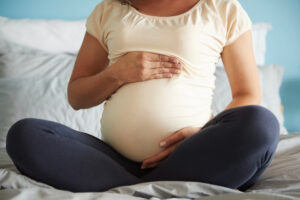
[281, 180]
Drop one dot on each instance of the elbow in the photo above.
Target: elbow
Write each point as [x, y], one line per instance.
[72, 104]
[258, 101]
[71, 99]
[258, 98]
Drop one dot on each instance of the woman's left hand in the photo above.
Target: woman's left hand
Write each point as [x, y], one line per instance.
[171, 143]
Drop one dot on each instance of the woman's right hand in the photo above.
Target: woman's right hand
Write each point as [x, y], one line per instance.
[141, 66]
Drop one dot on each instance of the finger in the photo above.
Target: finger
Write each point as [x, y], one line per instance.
[150, 159]
[163, 58]
[164, 75]
[163, 155]
[162, 70]
[161, 64]
[175, 137]
[153, 164]
[145, 165]
[156, 158]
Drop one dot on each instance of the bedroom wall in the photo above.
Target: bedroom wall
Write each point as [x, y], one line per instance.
[283, 48]
[282, 43]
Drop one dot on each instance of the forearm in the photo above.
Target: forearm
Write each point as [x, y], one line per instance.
[244, 100]
[91, 91]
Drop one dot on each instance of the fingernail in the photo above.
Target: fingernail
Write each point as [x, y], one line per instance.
[162, 143]
[143, 167]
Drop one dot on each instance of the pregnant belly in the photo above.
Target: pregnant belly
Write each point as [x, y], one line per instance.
[138, 115]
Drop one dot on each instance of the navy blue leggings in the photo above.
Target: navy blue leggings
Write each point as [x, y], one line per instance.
[232, 149]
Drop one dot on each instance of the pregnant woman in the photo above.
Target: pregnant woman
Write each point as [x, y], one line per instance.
[153, 64]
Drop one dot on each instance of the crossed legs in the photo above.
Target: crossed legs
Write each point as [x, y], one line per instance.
[233, 149]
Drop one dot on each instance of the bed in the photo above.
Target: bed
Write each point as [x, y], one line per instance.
[34, 72]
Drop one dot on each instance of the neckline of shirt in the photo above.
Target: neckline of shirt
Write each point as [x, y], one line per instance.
[166, 17]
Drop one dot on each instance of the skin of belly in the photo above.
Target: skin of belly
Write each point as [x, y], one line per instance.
[139, 115]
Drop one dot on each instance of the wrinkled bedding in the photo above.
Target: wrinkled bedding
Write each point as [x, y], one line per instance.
[281, 180]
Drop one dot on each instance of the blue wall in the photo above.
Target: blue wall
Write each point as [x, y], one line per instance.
[283, 48]
[47, 9]
[283, 43]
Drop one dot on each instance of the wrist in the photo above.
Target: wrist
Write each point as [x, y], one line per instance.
[197, 129]
[112, 72]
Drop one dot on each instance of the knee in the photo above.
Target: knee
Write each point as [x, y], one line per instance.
[17, 133]
[261, 124]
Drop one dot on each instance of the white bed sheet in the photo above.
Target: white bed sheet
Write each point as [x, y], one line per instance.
[281, 180]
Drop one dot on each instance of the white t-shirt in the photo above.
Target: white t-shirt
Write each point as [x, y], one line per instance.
[139, 115]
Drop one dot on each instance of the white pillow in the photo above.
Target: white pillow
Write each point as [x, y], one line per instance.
[270, 77]
[19, 61]
[259, 39]
[66, 36]
[49, 35]
[34, 84]
[44, 98]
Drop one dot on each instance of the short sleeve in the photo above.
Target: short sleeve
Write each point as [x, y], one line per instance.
[237, 21]
[95, 23]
